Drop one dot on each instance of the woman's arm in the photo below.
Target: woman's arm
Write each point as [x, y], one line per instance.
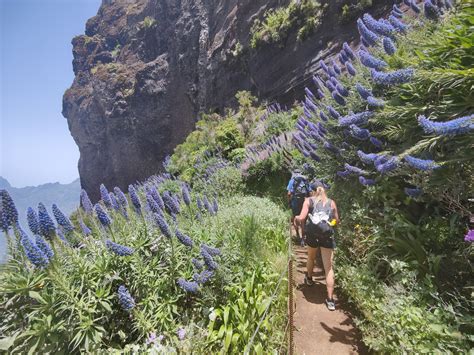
[304, 211]
[336, 214]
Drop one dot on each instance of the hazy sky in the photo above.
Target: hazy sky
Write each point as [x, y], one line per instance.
[36, 68]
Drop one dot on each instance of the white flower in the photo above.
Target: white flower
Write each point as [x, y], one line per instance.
[212, 316]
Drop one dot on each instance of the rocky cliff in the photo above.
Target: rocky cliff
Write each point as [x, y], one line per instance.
[145, 68]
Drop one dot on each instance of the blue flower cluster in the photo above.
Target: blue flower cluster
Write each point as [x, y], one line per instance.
[32, 219]
[184, 239]
[120, 250]
[62, 220]
[186, 195]
[9, 213]
[102, 215]
[85, 229]
[125, 299]
[114, 202]
[389, 46]
[421, 164]
[350, 69]
[366, 158]
[162, 225]
[392, 78]
[188, 286]
[359, 133]
[86, 202]
[44, 246]
[374, 102]
[369, 37]
[355, 118]
[454, 127]
[386, 165]
[370, 61]
[366, 182]
[47, 228]
[378, 27]
[135, 199]
[32, 251]
[104, 195]
[354, 169]
[363, 91]
[208, 259]
[203, 277]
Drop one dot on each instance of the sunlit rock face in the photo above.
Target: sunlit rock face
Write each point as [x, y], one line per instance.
[145, 68]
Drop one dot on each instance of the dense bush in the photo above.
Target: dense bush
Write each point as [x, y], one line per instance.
[302, 15]
[402, 182]
[134, 280]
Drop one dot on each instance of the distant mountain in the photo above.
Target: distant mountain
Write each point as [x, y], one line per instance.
[66, 196]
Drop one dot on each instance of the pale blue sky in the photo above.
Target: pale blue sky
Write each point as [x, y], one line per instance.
[36, 68]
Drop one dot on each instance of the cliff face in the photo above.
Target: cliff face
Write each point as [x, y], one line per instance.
[145, 68]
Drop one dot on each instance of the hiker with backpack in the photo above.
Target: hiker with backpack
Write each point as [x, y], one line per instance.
[298, 189]
[320, 213]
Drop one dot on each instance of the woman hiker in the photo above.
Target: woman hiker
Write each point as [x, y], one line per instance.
[322, 216]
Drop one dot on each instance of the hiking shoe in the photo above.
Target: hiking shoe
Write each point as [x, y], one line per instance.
[308, 281]
[331, 305]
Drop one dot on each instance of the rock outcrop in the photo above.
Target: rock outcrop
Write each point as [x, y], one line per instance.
[145, 68]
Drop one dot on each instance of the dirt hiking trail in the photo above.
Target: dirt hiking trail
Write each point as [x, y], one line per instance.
[318, 330]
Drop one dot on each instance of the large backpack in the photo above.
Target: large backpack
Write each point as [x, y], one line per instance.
[318, 218]
[300, 187]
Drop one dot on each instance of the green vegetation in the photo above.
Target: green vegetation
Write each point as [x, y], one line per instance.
[72, 304]
[350, 12]
[148, 22]
[302, 15]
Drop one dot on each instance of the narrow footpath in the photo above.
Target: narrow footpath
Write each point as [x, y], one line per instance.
[318, 330]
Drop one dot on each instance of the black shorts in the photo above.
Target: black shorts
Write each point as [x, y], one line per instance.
[315, 240]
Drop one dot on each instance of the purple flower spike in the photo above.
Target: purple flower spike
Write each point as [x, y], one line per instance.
[102, 215]
[120, 250]
[324, 66]
[350, 69]
[366, 182]
[389, 46]
[359, 133]
[415, 7]
[184, 239]
[376, 142]
[47, 228]
[392, 78]
[388, 166]
[354, 169]
[32, 251]
[377, 26]
[162, 225]
[62, 220]
[333, 112]
[355, 118]
[454, 127]
[86, 202]
[338, 98]
[104, 195]
[370, 61]
[363, 92]
[369, 37]
[190, 287]
[421, 164]
[125, 299]
[32, 219]
[134, 198]
[366, 158]
[469, 237]
[399, 25]
[373, 102]
[348, 50]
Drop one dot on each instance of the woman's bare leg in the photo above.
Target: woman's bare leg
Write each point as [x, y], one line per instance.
[327, 256]
[310, 261]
